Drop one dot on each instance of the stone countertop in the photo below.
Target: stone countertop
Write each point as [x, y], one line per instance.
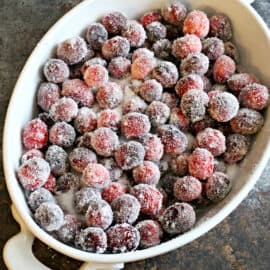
[240, 242]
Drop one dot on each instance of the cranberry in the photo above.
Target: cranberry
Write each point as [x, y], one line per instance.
[39, 196]
[174, 12]
[114, 22]
[110, 119]
[151, 90]
[158, 113]
[178, 119]
[238, 81]
[167, 183]
[86, 120]
[191, 81]
[68, 181]
[142, 52]
[50, 184]
[119, 67]
[95, 75]
[213, 47]
[142, 66]
[96, 35]
[56, 71]
[156, 31]
[162, 49]
[93, 61]
[134, 32]
[220, 26]
[153, 147]
[149, 17]
[113, 191]
[224, 68]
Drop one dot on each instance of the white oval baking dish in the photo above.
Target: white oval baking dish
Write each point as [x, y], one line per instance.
[253, 38]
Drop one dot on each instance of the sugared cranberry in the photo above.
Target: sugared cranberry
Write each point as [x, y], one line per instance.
[174, 12]
[153, 147]
[179, 165]
[62, 134]
[86, 120]
[156, 31]
[113, 191]
[134, 104]
[114, 22]
[201, 163]
[72, 50]
[141, 52]
[238, 81]
[178, 218]
[220, 26]
[151, 90]
[68, 181]
[134, 32]
[213, 47]
[191, 81]
[56, 71]
[31, 154]
[109, 118]
[223, 68]
[99, 214]
[129, 155]
[109, 95]
[96, 175]
[178, 119]
[149, 17]
[96, 35]
[142, 66]
[119, 67]
[149, 197]
[93, 61]
[39, 196]
[95, 75]
[35, 134]
[162, 48]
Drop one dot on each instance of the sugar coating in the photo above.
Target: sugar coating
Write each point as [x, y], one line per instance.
[111, 165]
[114, 22]
[150, 16]
[213, 47]
[95, 75]
[151, 90]
[33, 173]
[39, 196]
[83, 197]
[169, 99]
[134, 32]
[113, 191]
[158, 113]
[91, 239]
[142, 66]
[79, 91]
[31, 154]
[191, 81]
[49, 216]
[99, 214]
[178, 119]
[56, 70]
[96, 35]
[57, 157]
[247, 122]
[223, 69]
[47, 94]
[217, 186]
[174, 12]
[179, 165]
[178, 218]
[153, 146]
[220, 26]
[119, 67]
[86, 120]
[72, 50]
[156, 31]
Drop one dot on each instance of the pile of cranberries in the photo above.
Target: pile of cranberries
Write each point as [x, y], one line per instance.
[138, 122]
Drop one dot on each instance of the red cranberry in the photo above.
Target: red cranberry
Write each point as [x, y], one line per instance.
[142, 66]
[35, 134]
[153, 147]
[119, 67]
[96, 35]
[149, 17]
[56, 71]
[134, 32]
[95, 75]
[174, 12]
[109, 118]
[224, 68]
[191, 81]
[158, 113]
[93, 61]
[114, 22]
[220, 26]
[50, 184]
[113, 191]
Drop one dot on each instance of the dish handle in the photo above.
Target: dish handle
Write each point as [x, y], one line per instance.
[17, 252]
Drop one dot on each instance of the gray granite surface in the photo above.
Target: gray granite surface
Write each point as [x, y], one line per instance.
[240, 242]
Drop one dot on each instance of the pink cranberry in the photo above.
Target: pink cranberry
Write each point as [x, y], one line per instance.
[151, 90]
[35, 134]
[178, 119]
[191, 81]
[179, 165]
[174, 12]
[109, 95]
[86, 120]
[149, 197]
[185, 45]
[224, 68]
[33, 173]
[48, 94]
[201, 163]
[213, 47]
[211, 139]
[151, 233]
[104, 141]
[79, 91]
[56, 71]
[149, 17]
[153, 147]
[142, 66]
[158, 113]
[114, 22]
[109, 118]
[220, 26]
[31, 154]
[134, 125]
[113, 191]
[99, 214]
[146, 173]
[187, 189]
[119, 67]
[95, 75]
[134, 32]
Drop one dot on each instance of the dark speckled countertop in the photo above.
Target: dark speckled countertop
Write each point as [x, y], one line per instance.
[240, 242]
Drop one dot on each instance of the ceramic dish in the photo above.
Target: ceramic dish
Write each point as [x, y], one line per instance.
[252, 38]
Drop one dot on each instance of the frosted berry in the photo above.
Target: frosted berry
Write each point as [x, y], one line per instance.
[232, 51]
[109, 118]
[129, 155]
[35, 134]
[96, 35]
[91, 239]
[191, 81]
[114, 22]
[64, 109]
[134, 104]
[56, 71]
[83, 197]
[79, 91]
[72, 50]
[197, 63]
[68, 181]
[109, 95]
[162, 48]
[33, 173]
[86, 120]
[93, 61]
[134, 125]
[151, 90]
[141, 52]
[170, 99]
[134, 32]
[223, 106]
[217, 186]
[39, 196]
[142, 66]
[156, 31]
[149, 17]
[146, 173]
[62, 134]
[113, 191]
[149, 197]
[223, 69]
[158, 113]
[211, 139]
[49, 216]
[220, 26]
[58, 159]
[238, 81]
[178, 218]
[99, 214]
[151, 233]
[213, 47]
[187, 189]
[174, 141]
[153, 147]
[104, 141]
[193, 104]
[237, 146]
[166, 73]
[178, 119]
[116, 46]
[179, 165]
[254, 96]
[174, 12]
[196, 23]
[119, 67]
[111, 165]
[31, 154]
[95, 75]
[47, 94]
[123, 238]
[80, 157]
[185, 45]
[201, 163]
